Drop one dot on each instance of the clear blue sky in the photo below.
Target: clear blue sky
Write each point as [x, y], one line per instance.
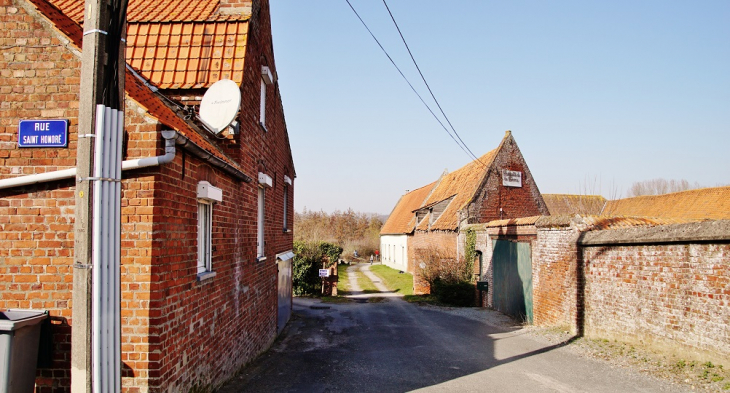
[598, 95]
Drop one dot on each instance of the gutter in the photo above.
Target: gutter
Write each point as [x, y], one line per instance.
[171, 139]
[205, 155]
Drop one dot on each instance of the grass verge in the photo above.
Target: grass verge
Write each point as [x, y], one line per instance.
[343, 283]
[399, 282]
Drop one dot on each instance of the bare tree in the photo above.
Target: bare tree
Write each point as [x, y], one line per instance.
[349, 229]
[660, 186]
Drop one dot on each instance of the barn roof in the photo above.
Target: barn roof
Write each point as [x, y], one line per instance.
[693, 205]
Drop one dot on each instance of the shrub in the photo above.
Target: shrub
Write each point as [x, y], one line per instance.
[449, 278]
[309, 258]
[459, 294]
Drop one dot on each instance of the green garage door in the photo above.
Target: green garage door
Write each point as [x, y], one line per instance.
[512, 273]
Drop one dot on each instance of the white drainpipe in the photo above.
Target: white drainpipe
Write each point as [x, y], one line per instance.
[169, 155]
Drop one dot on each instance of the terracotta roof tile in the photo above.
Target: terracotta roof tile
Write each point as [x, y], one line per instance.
[461, 185]
[402, 219]
[561, 204]
[159, 11]
[135, 88]
[597, 223]
[692, 205]
[188, 55]
[522, 221]
[179, 44]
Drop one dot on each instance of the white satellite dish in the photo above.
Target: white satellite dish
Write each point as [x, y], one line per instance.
[220, 105]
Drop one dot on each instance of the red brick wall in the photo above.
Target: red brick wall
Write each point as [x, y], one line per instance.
[675, 294]
[444, 240]
[554, 278]
[38, 80]
[267, 150]
[177, 333]
[515, 202]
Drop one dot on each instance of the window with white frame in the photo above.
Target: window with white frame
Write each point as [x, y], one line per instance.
[207, 195]
[266, 79]
[260, 225]
[287, 183]
[264, 183]
[205, 229]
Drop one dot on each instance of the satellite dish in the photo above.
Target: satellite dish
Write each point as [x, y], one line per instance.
[220, 105]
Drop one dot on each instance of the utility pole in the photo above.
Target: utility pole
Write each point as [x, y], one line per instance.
[93, 58]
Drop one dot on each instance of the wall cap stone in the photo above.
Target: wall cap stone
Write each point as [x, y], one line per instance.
[704, 231]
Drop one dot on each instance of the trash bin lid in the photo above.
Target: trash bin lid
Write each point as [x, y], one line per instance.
[15, 319]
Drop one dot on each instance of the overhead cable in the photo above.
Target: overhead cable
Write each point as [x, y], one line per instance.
[427, 85]
[463, 147]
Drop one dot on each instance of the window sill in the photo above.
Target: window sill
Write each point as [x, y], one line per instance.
[286, 230]
[263, 127]
[204, 276]
[260, 259]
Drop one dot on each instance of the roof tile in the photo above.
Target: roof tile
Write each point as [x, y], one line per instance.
[460, 184]
[694, 205]
[135, 89]
[561, 204]
[402, 218]
[159, 29]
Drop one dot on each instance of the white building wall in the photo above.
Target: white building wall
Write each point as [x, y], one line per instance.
[394, 251]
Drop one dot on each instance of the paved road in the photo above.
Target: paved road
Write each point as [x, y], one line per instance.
[394, 346]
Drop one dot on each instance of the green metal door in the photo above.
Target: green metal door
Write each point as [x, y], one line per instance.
[512, 273]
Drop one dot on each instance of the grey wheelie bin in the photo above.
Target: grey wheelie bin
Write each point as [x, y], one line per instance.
[19, 335]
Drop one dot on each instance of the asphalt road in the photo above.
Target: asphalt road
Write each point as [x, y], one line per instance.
[394, 346]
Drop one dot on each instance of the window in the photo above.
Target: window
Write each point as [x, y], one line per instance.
[265, 182]
[286, 206]
[266, 79]
[260, 226]
[207, 195]
[205, 229]
[262, 108]
[287, 183]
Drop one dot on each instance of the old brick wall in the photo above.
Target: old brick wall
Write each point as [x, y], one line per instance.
[423, 241]
[483, 245]
[177, 333]
[661, 294]
[266, 150]
[555, 278]
[495, 201]
[38, 80]
[670, 290]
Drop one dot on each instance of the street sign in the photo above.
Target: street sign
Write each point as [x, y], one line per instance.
[43, 133]
[324, 272]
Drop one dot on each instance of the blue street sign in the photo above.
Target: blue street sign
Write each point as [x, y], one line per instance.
[43, 133]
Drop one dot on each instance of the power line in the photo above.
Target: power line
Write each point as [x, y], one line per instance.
[463, 147]
[426, 83]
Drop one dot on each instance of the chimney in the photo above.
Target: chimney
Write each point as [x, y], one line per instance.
[235, 7]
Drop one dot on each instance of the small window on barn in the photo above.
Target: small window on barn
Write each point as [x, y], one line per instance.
[207, 196]
[267, 78]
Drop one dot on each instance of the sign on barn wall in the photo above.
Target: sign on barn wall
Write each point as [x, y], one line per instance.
[511, 178]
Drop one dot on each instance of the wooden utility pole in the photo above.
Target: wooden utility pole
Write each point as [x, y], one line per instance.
[93, 58]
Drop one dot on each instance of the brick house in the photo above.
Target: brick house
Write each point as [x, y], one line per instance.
[203, 272]
[498, 185]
